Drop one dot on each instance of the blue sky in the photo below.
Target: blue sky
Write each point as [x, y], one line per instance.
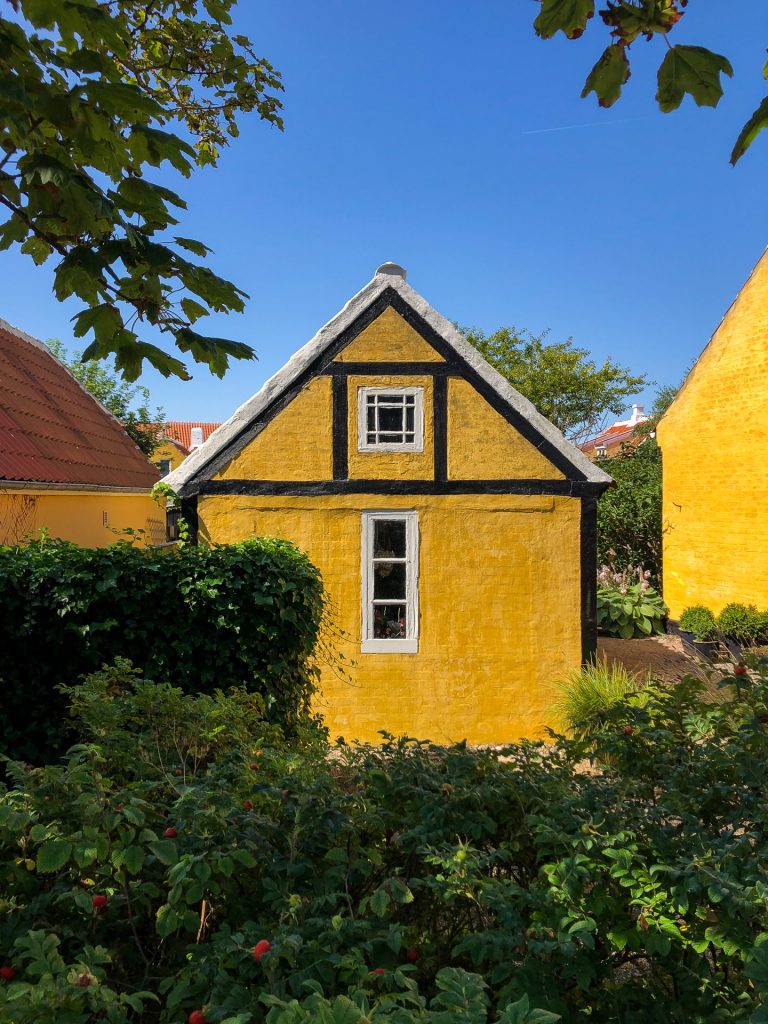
[446, 137]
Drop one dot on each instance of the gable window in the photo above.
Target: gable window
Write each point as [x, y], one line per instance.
[390, 582]
[164, 465]
[390, 419]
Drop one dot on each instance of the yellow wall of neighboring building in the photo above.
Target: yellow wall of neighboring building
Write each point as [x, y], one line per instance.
[79, 516]
[389, 339]
[167, 450]
[482, 445]
[714, 441]
[296, 445]
[500, 619]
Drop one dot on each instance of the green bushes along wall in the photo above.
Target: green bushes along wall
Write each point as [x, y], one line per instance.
[198, 618]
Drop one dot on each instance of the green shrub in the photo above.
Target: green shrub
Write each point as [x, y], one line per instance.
[627, 605]
[629, 520]
[744, 623]
[700, 621]
[588, 694]
[200, 618]
[620, 877]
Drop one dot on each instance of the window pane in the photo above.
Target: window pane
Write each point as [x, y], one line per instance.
[389, 539]
[371, 417]
[371, 439]
[389, 580]
[409, 418]
[389, 621]
[390, 419]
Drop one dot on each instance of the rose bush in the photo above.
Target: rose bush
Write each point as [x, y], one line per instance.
[403, 883]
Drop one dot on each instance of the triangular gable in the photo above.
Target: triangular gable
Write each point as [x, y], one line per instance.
[388, 289]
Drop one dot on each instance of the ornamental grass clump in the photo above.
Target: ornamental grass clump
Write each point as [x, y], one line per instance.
[589, 694]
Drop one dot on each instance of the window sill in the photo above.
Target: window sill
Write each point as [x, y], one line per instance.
[389, 646]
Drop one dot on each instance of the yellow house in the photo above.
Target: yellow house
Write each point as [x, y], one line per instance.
[714, 441]
[179, 438]
[66, 464]
[453, 524]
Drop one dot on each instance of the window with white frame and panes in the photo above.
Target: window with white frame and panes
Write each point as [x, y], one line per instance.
[390, 582]
[390, 419]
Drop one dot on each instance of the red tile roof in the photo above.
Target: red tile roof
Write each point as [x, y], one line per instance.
[52, 430]
[181, 431]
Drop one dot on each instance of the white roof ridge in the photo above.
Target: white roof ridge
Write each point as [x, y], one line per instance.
[328, 333]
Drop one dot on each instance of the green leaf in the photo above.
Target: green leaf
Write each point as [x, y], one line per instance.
[608, 75]
[198, 248]
[567, 16]
[133, 859]
[748, 133]
[694, 70]
[53, 855]
[166, 851]
[37, 249]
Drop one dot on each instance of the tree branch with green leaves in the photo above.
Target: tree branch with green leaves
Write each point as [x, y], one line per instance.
[562, 380]
[695, 71]
[93, 95]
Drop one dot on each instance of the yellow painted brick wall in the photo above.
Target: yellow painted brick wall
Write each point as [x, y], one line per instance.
[389, 339]
[499, 609]
[482, 445]
[167, 450]
[714, 441]
[296, 445]
[79, 516]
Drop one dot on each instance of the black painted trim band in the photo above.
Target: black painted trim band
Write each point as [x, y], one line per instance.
[390, 369]
[190, 516]
[311, 488]
[588, 567]
[340, 429]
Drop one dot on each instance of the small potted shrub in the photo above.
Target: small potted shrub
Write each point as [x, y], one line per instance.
[742, 625]
[698, 630]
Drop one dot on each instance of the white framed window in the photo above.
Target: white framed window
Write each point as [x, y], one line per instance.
[390, 419]
[390, 582]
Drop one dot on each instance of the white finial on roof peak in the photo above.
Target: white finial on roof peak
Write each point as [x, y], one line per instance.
[392, 269]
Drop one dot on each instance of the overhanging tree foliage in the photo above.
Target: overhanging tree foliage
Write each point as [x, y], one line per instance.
[561, 380]
[88, 92]
[129, 403]
[693, 70]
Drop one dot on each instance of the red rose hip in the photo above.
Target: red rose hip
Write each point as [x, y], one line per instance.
[170, 833]
[99, 902]
[740, 670]
[412, 955]
[262, 946]
[197, 1017]
[627, 730]
[378, 971]
[7, 973]
[247, 805]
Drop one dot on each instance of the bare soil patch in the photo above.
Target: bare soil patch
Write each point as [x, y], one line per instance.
[663, 656]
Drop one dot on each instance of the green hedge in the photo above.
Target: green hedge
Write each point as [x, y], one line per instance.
[199, 618]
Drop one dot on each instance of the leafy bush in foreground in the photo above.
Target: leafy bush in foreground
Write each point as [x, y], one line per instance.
[199, 618]
[623, 878]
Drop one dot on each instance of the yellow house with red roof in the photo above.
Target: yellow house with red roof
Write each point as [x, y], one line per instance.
[66, 464]
[180, 437]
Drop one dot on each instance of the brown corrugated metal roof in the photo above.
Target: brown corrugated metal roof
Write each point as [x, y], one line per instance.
[52, 430]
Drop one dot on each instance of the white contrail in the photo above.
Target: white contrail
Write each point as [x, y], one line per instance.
[587, 124]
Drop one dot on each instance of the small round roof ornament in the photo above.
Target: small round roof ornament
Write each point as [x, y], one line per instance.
[393, 269]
